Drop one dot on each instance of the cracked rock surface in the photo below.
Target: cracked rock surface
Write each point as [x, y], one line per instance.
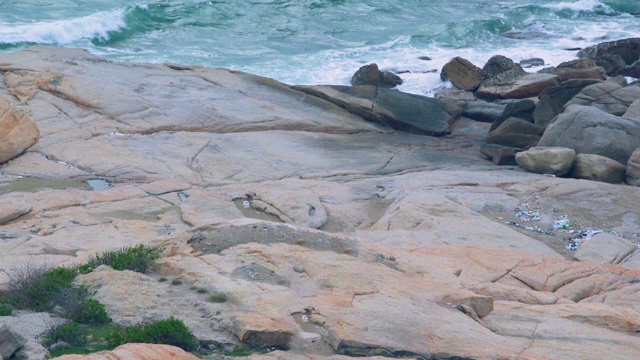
[329, 235]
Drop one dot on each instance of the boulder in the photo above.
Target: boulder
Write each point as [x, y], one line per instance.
[522, 109]
[10, 342]
[607, 96]
[633, 169]
[455, 94]
[18, 131]
[553, 99]
[134, 351]
[529, 63]
[514, 84]
[610, 62]
[589, 130]
[483, 111]
[498, 64]
[627, 49]
[515, 132]
[407, 112]
[259, 330]
[605, 248]
[462, 74]
[390, 80]
[633, 111]
[632, 70]
[598, 168]
[547, 160]
[367, 75]
[500, 154]
[578, 69]
[12, 208]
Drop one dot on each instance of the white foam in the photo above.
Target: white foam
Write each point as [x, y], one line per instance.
[95, 26]
[580, 5]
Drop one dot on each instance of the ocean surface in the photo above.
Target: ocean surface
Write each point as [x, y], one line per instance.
[320, 41]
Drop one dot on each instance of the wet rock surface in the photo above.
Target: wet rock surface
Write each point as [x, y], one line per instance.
[387, 243]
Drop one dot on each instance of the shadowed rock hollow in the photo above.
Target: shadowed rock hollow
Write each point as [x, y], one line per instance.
[380, 242]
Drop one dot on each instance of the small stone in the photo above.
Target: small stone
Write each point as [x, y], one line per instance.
[85, 203]
[297, 268]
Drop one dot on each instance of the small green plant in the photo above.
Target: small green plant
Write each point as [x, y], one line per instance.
[95, 341]
[5, 310]
[138, 258]
[238, 350]
[92, 312]
[170, 331]
[218, 298]
[202, 291]
[69, 333]
[162, 279]
[176, 282]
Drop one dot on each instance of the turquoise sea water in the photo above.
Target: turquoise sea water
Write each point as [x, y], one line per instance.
[320, 41]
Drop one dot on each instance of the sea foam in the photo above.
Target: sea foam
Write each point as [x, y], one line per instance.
[95, 26]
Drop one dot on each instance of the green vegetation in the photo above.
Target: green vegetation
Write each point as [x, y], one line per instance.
[202, 291]
[170, 331]
[162, 279]
[94, 337]
[176, 282]
[5, 310]
[238, 350]
[138, 258]
[218, 298]
[69, 333]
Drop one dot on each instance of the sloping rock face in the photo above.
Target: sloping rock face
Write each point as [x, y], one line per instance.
[514, 84]
[18, 131]
[588, 130]
[553, 99]
[328, 235]
[607, 96]
[136, 352]
[462, 74]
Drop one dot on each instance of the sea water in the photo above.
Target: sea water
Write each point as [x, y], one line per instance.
[320, 41]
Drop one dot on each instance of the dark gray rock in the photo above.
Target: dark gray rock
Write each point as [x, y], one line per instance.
[483, 111]
[462, 74]
[598, 168]
[632, 70]
[516, 133]
[500, 154]
[610, 62]
[390, 80]
[513, 84]
[522, 109]
[589, 130]
[627, 49]
[10, 342]
[498, 64]
[455, 94]
[607, 96]
[553, 99]
[401, 111]
[528, 63]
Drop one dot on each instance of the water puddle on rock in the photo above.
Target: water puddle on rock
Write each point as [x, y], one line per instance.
[245, 207]
[29, 184]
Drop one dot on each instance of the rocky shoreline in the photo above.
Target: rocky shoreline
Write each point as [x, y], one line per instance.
[339, 221]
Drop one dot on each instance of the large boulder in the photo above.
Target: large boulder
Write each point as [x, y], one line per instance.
[517, 133]
[462, 74]
[632, 70]
[627, 49]
[633, 169]
[398, 110]
[371, 75]
[522, 109]
[605, 248]
[483, 111]
[578, 69]
[598, 168]
[547, 160]
[589, 130]
[553, 99]
[18, 131]
[610, 62]
[633, 112]
[607, 96]
[498, 64]
[514, 84]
